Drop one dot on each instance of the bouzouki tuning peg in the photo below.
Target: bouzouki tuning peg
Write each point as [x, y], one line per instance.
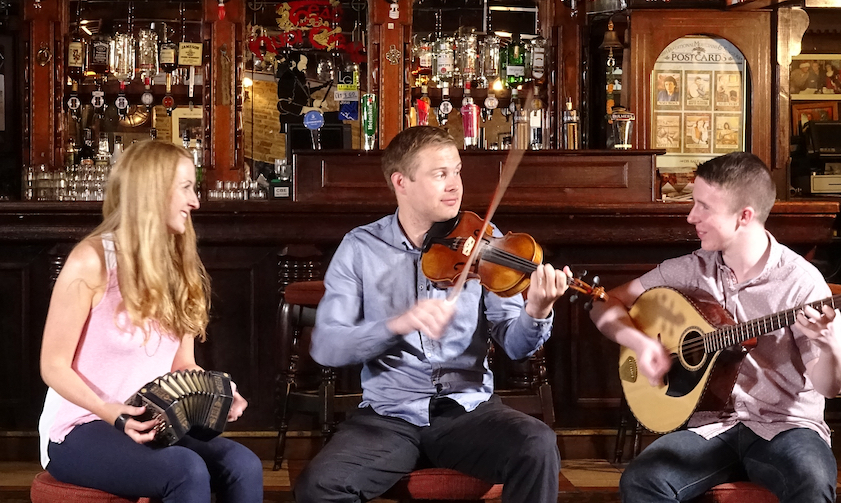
[596, 281]
[588, 305]
[573, 297]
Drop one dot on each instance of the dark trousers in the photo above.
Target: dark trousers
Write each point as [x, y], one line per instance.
[494, 442]
[796, 465]
[96, 455]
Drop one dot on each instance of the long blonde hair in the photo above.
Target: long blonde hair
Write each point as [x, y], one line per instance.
[162, 279]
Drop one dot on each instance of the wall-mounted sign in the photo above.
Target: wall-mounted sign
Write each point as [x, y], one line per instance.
[698, 103]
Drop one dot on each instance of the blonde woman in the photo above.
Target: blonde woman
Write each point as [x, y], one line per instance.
[128, 304]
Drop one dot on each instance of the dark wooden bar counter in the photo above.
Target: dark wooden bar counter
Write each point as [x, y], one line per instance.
[253, 249]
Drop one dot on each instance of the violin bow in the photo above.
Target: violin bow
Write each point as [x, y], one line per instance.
[512, 162]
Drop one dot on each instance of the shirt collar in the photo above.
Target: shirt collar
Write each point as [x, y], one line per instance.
[398, 237]
[774, 256]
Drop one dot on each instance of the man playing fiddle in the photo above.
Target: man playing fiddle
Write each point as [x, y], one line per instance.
[427, 390]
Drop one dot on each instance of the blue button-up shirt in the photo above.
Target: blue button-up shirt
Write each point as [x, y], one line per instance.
[375, 276]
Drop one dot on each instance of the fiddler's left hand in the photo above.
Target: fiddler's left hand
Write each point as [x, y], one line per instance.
[819, 326]
[237, 407]
[547, 285]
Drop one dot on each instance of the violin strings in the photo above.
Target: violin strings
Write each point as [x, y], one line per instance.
[509, 259]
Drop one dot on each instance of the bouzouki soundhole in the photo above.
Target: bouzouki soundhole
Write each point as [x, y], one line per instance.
[691, 351]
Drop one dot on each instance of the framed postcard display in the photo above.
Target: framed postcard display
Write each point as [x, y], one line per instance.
[698, 107]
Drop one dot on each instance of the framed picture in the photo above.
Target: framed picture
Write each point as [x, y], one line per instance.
[815, 77]
[818, 111]
[728, 91]
[184, 119]
[728, 136]
[697, 93]
[666, 88]
[667, 132]
[697, 132]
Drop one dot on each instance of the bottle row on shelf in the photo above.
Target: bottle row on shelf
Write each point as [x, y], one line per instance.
[496, 61]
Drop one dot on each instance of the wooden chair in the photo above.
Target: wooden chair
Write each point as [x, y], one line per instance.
[46, 489]
[297, 312]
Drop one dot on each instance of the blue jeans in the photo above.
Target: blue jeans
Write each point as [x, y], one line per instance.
[494, 442]
[796, 465]
[96, 455]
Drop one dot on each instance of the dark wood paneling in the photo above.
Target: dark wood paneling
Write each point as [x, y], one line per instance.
[248, 248]
[544, 177]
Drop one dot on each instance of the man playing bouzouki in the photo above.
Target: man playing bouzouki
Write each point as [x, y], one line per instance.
[771, 430]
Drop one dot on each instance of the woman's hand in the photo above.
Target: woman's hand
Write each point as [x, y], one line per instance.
[140, 432]
[237, 407]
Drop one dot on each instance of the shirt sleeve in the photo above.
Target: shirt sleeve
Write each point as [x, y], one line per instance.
[676, 273]
[513, 329]
[342, 336]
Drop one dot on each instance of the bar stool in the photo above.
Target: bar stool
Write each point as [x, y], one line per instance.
[738, 492]
[46, 489]
[442, 484]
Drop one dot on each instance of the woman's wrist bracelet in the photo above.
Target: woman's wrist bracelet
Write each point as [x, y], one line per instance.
[120, 422]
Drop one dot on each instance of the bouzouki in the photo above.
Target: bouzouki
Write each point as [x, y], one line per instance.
[706, 346]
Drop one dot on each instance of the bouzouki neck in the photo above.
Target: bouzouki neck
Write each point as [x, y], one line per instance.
[737, 334]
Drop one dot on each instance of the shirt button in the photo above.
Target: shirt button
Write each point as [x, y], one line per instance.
[420, 287]
[429, 355]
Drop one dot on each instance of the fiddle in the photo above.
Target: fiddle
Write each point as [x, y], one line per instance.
[503, 265]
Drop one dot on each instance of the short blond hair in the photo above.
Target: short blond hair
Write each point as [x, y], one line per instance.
[400, 154]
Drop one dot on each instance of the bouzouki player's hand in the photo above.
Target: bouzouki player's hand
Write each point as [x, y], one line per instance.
[819, 326]
[653, 361]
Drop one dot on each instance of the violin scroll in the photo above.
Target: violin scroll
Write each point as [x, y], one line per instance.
[594, 292]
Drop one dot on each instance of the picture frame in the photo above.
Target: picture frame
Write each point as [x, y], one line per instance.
[185, 119]
[819, 111]
[815, 77]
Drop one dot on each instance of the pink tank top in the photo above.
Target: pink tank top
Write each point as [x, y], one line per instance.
[113, 357]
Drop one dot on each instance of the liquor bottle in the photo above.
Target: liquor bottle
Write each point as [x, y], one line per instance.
[86, 152]
[445, 107]
[153, 133]
[571, 123]
[118, 149]
[123, 58]
[422, 69]
[99, 55]
[536, 122]
[520, 124]
[423, 104]
[76, 57]
[517, 55]
[537, 61]
[102, 159]
[198, 161]
[185, 139]
[490, 60]
[147, 58]
[467, 54]
[71, 154]
[169, 53]
[442, 50]
[470, 119]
